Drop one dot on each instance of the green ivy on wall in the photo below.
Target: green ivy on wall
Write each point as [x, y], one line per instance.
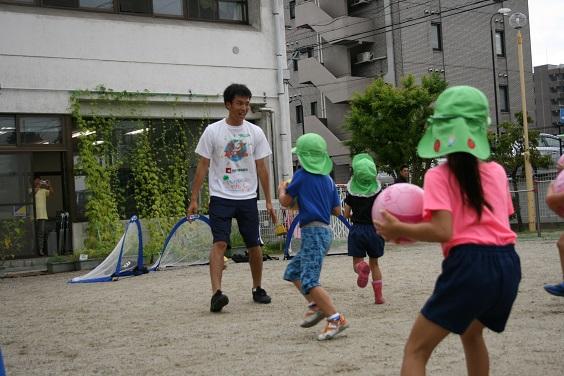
[150, 174]
[12, 234]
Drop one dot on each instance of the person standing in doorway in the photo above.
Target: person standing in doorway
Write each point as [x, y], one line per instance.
[42, 190]
[234, 152]
[403, 176]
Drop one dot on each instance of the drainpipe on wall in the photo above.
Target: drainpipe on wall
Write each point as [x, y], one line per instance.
[284, 144]
[268, 116]
[390, 75]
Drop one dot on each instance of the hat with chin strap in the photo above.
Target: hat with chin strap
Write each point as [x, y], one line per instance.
[459, 124]
[363, 183]
[311, 150]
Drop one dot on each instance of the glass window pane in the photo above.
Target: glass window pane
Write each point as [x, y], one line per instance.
[230, 11]
[96, 4]
[553, 142]
[499, 43]
[135, 6]
[292, 10]
[168, 7]
[41, 130]
[436, 42]
[7, 130]
[201, 9]
[299, 114]
[60, 3]
[504, 98]
[313, 108]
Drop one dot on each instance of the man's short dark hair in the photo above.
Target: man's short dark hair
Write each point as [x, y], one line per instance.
[234, 90]
[404, 166]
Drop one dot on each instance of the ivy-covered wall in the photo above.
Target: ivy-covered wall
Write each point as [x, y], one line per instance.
[133, 164]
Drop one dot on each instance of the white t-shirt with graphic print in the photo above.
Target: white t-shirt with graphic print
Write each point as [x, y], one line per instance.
[232, 151]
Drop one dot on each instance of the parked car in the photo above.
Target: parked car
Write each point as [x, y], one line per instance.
[550, 145]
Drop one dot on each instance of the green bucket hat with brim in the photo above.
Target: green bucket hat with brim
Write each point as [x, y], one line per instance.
[311, 150]
[363, 183]
[459, 124]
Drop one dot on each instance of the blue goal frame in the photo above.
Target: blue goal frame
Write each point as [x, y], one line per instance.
[194, 217]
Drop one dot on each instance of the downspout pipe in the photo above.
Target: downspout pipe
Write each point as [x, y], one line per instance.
[283, 131]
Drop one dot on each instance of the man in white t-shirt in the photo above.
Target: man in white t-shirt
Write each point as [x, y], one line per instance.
[234, 152]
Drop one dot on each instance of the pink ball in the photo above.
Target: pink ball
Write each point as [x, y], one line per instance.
[558, 187]
[404, 201]
[560, 164]
[559, 183]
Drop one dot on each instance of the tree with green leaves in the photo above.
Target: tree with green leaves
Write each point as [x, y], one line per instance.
[389, 121]
[508, 149]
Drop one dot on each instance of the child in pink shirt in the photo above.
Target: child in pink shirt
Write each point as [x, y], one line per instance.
[466, 207]
[555, 201]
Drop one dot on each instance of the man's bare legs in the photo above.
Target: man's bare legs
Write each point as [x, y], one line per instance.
[255, 262]
[217, 254]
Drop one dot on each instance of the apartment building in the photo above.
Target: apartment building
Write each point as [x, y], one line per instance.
[549, 96]
[187, 51]
[337, 47]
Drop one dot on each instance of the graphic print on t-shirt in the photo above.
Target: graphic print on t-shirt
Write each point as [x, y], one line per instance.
[236, 150]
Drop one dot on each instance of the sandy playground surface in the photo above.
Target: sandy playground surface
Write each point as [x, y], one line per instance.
[160, 323]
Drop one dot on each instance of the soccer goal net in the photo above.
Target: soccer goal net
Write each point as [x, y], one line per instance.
[188, 243]
[126, 258]
[340, 227]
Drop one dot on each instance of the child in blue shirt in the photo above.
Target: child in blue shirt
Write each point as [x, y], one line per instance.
[317, 199]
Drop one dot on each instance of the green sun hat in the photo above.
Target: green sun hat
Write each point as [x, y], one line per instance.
[459, 124]
[311, 150]
[363, 183]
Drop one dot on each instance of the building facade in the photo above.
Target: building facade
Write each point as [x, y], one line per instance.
[187, 51]
[549, 97]
[337, 47]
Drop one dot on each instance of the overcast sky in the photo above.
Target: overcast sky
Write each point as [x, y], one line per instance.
[547, 31]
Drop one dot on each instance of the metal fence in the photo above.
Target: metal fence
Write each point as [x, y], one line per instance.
[286, 216]
[545, 217]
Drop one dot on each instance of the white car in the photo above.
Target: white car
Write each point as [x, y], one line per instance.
[550, 145]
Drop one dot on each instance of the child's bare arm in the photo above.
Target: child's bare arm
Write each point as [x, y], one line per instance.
[285, 199]
[336, 211]
[439, 229]
[348, 211]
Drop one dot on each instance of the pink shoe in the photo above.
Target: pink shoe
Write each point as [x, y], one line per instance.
[363, 271]
[377, 286]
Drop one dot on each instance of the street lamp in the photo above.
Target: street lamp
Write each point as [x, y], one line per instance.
[503, 12]
[518, 21]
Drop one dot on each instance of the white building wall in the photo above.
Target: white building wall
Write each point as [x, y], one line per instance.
[50, 52]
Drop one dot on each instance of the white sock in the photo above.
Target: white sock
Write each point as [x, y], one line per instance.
[335, 316]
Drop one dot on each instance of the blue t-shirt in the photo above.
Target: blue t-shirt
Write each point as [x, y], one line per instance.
[317, 196]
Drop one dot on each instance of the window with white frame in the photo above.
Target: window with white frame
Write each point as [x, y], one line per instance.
[213, 10]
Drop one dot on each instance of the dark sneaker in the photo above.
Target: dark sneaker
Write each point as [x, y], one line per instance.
[312, 317]
[218, 301]
[557, 290]
[260, 296]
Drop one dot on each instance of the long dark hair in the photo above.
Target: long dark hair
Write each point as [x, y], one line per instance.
[464, 166]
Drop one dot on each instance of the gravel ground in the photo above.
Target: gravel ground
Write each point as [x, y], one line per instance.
[160, 323]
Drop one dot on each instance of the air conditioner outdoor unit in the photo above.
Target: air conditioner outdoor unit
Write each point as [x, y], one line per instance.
[359, 2]
[364, 57]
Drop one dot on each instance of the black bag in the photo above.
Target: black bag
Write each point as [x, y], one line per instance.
[244, 257]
